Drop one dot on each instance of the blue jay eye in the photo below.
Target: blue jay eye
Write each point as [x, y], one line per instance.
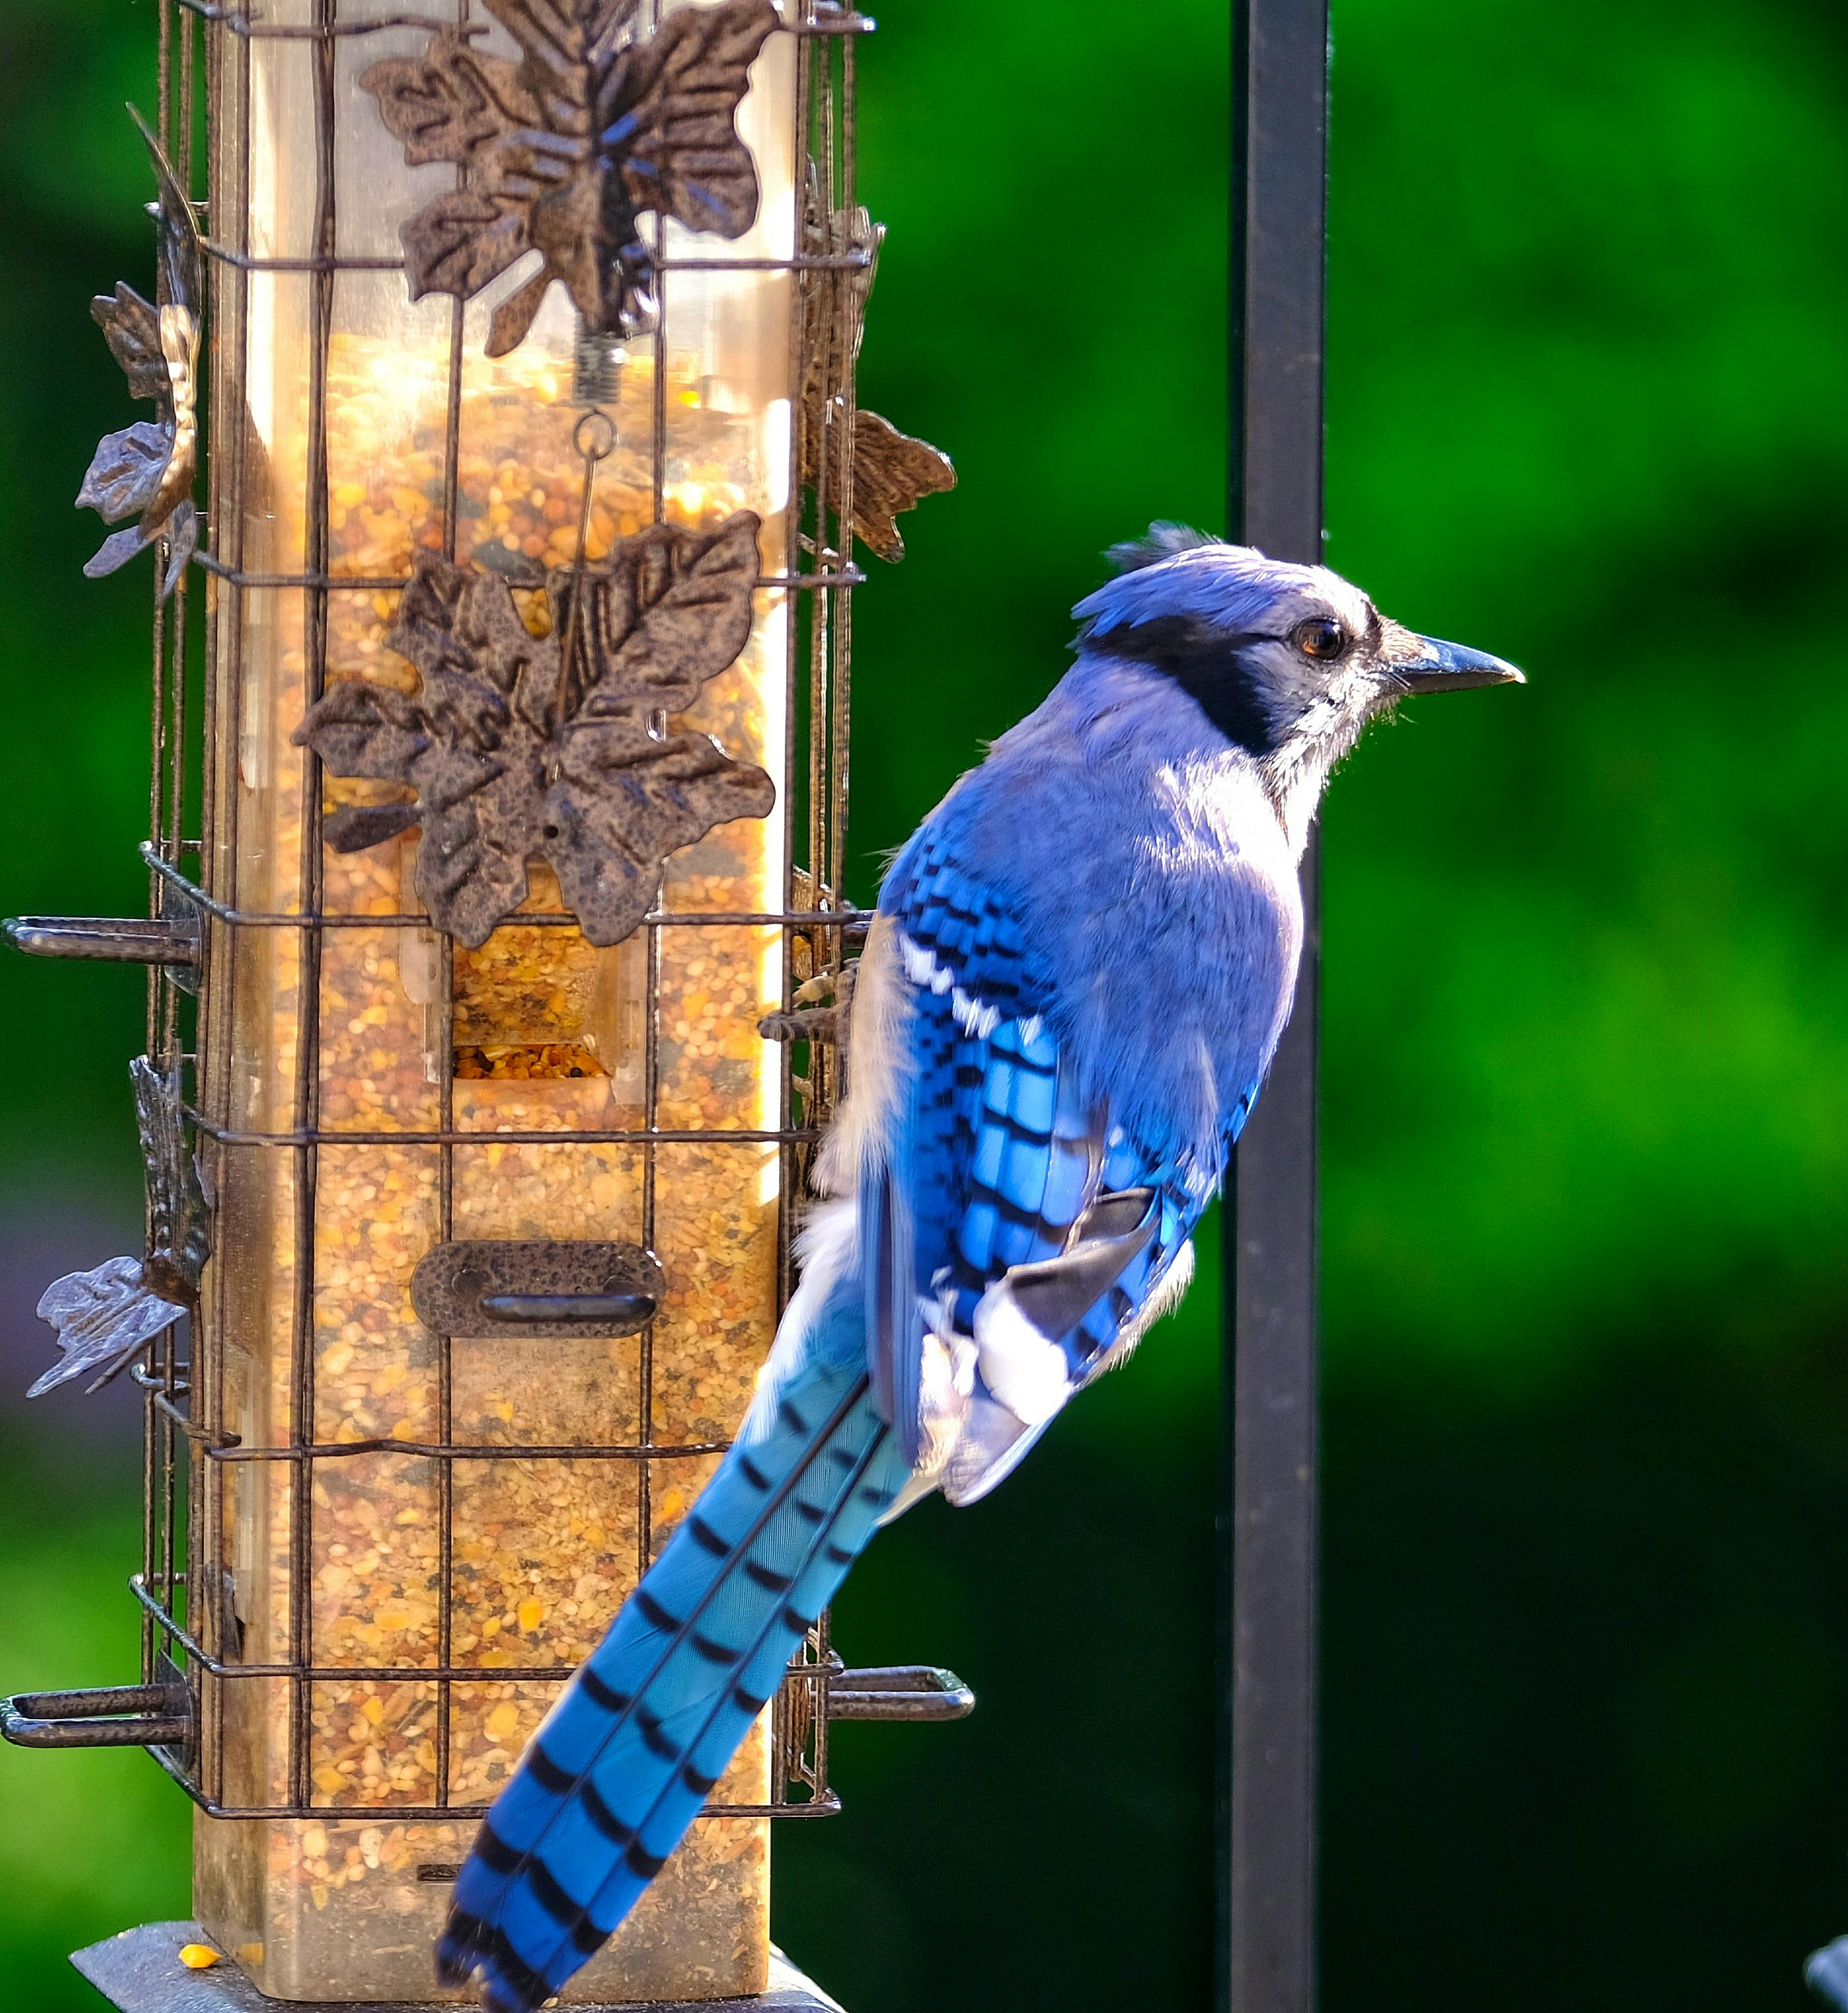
[1321, 638]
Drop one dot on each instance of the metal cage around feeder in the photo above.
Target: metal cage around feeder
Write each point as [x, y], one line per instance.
[498, 821]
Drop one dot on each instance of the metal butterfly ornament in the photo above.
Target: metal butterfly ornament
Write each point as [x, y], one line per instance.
[148, 468]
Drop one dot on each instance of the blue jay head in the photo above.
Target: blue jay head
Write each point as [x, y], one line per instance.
[1287, 662]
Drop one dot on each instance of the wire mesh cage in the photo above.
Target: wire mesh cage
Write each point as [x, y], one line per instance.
[497, 956]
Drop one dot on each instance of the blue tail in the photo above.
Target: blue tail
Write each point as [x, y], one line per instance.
[626, 1760]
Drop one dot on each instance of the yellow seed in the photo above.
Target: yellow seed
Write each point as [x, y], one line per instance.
[374, 1709]
[199, 1956]
[531, 1613]
[503, 1719]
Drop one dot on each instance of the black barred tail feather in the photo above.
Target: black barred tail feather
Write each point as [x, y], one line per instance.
[624, 1762]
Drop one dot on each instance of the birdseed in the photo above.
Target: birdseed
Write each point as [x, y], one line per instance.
[548, 1034]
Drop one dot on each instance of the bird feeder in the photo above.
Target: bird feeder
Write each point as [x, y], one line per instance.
[495, 876]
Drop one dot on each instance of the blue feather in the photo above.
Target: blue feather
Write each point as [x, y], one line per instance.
[624, 1762]
[1081, 963]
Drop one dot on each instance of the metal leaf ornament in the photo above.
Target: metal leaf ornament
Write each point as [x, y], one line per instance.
[148, 468]
[520, 746]
[106, 1317]
[568, 149]
[893, 471]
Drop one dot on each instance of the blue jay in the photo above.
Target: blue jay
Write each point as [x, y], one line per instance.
[1079, 970]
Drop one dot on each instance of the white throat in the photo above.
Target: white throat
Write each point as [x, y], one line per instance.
[1297, 772]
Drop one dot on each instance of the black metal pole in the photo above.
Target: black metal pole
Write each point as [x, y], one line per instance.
[1267, 1885]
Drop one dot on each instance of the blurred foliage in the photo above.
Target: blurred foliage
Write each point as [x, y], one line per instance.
[94, 1841]
[1586, 1129]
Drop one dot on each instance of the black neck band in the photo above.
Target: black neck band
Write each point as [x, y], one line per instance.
[1206, 664]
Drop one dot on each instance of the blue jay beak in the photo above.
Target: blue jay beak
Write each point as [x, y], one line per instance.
[1449, 667]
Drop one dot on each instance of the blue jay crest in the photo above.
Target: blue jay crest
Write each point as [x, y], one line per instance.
[1078, 974]
[1161, 542]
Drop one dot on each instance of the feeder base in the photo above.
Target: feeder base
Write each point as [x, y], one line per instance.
[140, 1971]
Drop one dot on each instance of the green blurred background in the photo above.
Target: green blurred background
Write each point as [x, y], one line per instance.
[1586, 1132]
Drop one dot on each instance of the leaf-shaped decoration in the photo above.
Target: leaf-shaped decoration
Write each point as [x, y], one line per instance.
[892, 471]
[664, 612]
[179, 1231]
[125, 474]
[568, 149]
[149, 467]
[515, 753]
[106, 1317]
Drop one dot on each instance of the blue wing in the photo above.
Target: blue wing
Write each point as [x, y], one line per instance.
[1001, 1173]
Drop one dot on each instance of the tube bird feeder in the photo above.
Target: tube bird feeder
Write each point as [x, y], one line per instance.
[496, 941]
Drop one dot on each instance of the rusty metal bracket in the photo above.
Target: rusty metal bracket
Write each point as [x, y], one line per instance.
[109, 1716]
[899, 1691]
[536, 1289]
[168, 940]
